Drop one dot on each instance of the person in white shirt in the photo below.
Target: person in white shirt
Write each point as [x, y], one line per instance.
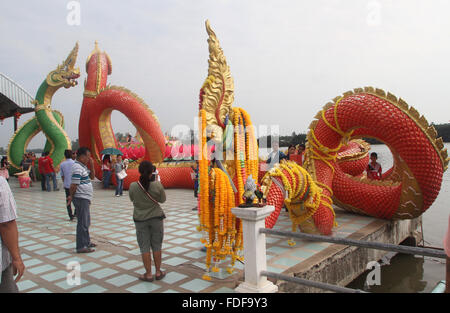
[11, 263]
[66, 175]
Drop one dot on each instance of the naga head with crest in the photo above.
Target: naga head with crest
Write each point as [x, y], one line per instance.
[65, 74]
[217, 92]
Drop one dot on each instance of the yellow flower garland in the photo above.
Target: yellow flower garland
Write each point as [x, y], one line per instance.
[297, 192]
[251, 145]
[222, 230]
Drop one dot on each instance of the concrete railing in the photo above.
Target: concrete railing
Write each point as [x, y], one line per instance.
[254, 249]
[254, 236]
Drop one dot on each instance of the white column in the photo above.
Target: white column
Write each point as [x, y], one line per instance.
[254, 250]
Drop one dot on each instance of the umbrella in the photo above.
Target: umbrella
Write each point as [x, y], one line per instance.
[112, 151]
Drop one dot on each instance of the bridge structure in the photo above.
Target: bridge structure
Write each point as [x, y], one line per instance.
[14, 100]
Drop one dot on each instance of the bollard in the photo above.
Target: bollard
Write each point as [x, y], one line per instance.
[254, 250]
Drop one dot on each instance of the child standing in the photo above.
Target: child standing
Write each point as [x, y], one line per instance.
[374, 168]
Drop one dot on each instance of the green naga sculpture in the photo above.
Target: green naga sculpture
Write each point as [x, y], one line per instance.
[49, 121]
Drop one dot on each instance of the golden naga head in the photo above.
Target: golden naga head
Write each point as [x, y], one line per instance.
[65, 74]
[217, 92]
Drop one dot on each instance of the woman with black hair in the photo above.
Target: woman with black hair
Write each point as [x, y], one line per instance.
[4, 168]
[107, 170]
[146, 194]
[291, 151]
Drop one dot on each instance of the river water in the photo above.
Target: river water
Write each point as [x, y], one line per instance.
[408, 273]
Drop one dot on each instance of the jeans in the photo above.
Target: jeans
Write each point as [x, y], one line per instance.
[47, 180]
[196, 188]
[106, 179]
[69, 207]
[119, 187]
[44, 188]
[83, 222]
[32, 176]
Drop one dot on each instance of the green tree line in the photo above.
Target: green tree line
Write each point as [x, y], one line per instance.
[443, 131]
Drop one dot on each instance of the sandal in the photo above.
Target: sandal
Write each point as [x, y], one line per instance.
[161, 276]
[144, 278]
[85, 250]
[92, 245]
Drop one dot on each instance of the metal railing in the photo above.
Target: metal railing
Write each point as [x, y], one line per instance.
[255, 252]
[311, 283]
[359, 243]
[15, 92]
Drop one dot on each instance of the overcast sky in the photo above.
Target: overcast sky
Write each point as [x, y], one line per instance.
[288, 58]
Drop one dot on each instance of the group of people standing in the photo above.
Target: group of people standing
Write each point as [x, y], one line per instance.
[145, 194]
[276, 155]
[119, 167]
[77, 172]
[47, 171]
[27, 164]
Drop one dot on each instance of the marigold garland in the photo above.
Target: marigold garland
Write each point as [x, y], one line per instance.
[304, 194]
[222, 231]
[251, 145]
[237, 152]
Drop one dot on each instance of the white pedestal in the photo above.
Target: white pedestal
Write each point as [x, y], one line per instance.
[268, 287]
[254, 249]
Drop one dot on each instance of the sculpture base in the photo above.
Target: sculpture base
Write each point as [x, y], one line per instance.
[252, 205]
[268, 287]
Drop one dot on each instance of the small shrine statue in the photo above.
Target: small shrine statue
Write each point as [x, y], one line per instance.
[250, 192]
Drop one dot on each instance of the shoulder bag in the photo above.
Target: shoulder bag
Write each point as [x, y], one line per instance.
[151, 198]
[146, 192]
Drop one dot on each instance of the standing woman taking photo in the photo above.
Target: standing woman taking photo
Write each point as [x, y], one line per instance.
[146, 194]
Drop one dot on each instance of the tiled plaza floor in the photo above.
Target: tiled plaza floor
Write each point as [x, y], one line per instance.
[47, 243]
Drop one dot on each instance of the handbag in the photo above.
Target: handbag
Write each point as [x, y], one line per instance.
[122, 174]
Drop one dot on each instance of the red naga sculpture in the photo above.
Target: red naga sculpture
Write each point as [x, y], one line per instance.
[334, 165]
[96, 133]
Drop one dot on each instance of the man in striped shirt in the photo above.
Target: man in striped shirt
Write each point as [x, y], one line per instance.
[10, 259]
[80, 194]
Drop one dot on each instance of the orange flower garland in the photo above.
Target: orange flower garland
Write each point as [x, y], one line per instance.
[251, 145]
[222, 230]
[204, 210]
[237, 150]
